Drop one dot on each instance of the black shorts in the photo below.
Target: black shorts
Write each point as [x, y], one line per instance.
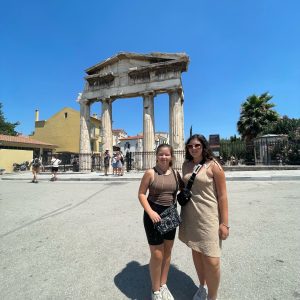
[54, 169]
[153, 235]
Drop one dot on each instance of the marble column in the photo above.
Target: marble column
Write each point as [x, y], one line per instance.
[107, 125]
[176, 130]
[148, 131]
[85, 152]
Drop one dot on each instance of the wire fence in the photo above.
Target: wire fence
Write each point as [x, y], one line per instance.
[264, 152]
[231, 153]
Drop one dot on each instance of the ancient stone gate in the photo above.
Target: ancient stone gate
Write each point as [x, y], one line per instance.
[127, 75]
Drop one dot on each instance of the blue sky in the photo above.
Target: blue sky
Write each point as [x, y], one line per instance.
[236, 47]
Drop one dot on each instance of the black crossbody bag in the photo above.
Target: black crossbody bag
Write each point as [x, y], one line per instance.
[170, 218]
[185, 195]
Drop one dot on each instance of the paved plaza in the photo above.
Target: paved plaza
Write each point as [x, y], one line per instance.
[85, 240]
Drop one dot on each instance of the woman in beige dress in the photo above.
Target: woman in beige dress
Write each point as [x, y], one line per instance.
[205, 216]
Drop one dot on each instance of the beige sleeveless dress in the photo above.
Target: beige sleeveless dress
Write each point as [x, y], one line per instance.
[199, 229]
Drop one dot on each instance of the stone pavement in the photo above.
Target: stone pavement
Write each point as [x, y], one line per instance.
[258, 175]
[85, 240]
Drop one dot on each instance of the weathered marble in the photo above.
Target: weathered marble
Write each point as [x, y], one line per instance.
[128, 75]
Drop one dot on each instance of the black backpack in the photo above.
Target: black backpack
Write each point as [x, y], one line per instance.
[36, 163]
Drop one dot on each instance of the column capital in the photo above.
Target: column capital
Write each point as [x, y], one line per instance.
[177, 90]
[107, 100]
[149, 93]
[84, 101]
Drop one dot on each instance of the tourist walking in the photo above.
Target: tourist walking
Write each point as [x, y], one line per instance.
[36, 164]
[54, 169]
[114, 163]
[119, 164]
[106, 162]
[205, 216]
[162, 186]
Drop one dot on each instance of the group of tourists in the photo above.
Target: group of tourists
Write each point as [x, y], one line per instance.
[204, 218]
[36, 164]
[117, 163]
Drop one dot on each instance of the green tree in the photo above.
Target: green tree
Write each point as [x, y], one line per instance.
[256, 114]
[284, 125]
[7, 127]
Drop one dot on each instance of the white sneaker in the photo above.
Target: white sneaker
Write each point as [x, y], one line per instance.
[165, 293]
[200, 294]
[156, 295]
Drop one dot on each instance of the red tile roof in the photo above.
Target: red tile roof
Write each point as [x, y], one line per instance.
[118, 130]
[22, 139]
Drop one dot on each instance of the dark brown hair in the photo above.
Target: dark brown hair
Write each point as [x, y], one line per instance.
[171, 151]
[206, 151]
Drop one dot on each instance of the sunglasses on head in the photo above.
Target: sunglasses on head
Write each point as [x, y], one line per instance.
[196, 146]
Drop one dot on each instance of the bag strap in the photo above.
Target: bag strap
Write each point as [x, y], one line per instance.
[177, 187]
[196, 170]
[54, 161]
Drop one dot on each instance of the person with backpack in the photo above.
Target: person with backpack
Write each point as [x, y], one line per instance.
[36, 164]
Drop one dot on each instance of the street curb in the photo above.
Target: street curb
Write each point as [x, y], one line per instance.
[74, 179]
[241, 178]
[266, 178]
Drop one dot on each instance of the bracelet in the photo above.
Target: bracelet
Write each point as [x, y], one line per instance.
[225, 225]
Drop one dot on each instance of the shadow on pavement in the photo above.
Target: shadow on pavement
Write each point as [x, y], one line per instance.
[134, 282]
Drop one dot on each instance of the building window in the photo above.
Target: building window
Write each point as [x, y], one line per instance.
[66, 115]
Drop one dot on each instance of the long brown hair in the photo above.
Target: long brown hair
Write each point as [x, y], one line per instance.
[206, 151]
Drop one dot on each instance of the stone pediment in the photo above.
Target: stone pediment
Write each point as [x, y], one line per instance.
[130, 74]
[131, 60]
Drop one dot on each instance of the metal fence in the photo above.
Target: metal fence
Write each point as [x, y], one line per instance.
[97, 162]
[237, 152]
[277, 152]
[140, 161]
[260, 152]
[69, 161]
[231, 153]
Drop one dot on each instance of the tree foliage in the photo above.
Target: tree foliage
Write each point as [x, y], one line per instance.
[7, 128]
[256, 114]
[285, 125]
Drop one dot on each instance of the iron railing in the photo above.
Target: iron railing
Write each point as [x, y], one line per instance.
[231, 153]
[261, 152]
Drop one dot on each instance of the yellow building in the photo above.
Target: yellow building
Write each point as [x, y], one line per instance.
[63, 130]
[18, 149]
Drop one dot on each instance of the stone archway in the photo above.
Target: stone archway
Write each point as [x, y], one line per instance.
[127, 75]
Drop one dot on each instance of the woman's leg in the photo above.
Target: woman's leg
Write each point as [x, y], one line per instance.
[155, 265]
[35, 175]
[212, 275]
[199, 266]
[168, 245]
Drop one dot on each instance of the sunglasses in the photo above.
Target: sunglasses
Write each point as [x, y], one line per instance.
[196, 146]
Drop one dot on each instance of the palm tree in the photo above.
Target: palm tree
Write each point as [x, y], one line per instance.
[256, 113]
